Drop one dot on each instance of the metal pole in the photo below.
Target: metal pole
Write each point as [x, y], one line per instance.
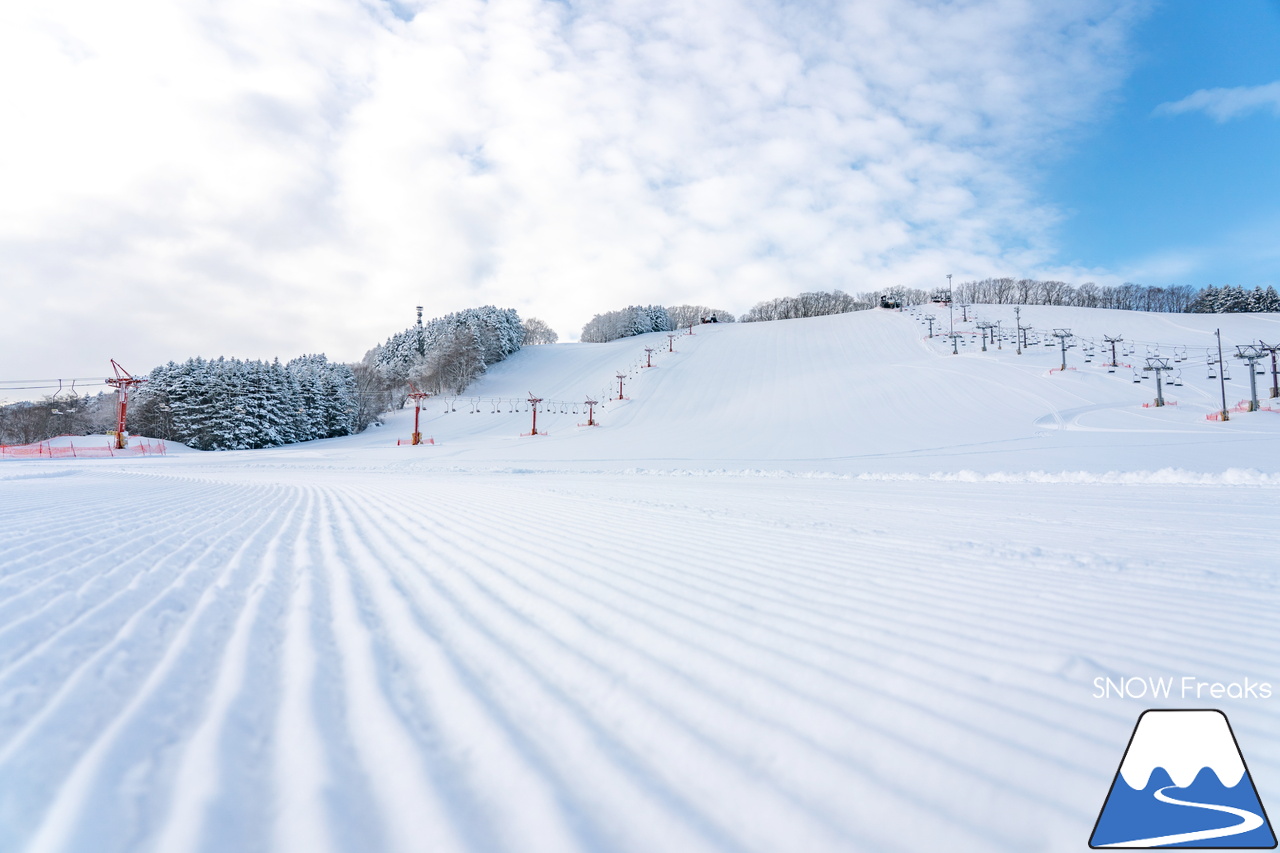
[1253, 386]
[1017, 313]
[1222, 382]
[1250, 355]
[1275, 381]
[951, 311]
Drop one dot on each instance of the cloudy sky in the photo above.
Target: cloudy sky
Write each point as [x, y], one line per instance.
[262, 178]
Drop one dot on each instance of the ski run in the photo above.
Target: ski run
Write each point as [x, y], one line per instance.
[813, 585]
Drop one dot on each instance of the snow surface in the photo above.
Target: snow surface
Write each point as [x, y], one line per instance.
[818, 585]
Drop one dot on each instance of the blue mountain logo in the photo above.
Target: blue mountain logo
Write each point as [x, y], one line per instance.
[1183, 783]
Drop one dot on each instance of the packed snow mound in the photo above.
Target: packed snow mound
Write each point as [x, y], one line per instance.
[871, 391]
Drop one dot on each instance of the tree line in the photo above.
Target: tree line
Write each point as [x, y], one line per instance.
[1235, 300]
[230, 404]
[815, 304]
[448, 353]
[68, 413]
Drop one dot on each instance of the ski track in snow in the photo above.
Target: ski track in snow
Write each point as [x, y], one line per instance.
[470, 662]
[479, 651]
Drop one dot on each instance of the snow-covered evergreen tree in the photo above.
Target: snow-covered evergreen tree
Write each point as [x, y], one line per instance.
[444, 350]
[229, 404]
[632, 320]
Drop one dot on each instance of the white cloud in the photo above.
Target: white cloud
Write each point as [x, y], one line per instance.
[1225, 104]
[260, 178]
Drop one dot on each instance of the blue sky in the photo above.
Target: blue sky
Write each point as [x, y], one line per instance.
[260, 178]
[1181, 198]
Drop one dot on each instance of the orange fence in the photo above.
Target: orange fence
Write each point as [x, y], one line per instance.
[49, 450]
[1242, 406]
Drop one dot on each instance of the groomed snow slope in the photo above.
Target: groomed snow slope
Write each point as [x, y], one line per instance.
[817, 586]
[868, 392]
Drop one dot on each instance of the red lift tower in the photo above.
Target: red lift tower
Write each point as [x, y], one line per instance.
[533, 407]
[417, 397]
[122, 382]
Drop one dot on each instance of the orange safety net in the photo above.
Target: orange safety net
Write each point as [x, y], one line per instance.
[48, 450]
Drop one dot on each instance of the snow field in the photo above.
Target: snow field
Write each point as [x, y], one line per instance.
[835, 619]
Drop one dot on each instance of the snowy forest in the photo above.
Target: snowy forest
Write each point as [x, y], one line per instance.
[68, 413]
[632, 320]
[1235, 300]
[1177, 298]
[447, 354]
[229, 404]
[817, 304]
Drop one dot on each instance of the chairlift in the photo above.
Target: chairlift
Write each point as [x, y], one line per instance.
[1137, 377]
[1177, 379]
[1211, 365]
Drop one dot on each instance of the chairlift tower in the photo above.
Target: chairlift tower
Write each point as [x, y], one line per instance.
[1113, 341]
[671, 343]
[1251, 354]
[930, 318]
[122, 382]
[985, 327]
[533, 407]
[1158, 365]
[1022, 337]
[417, 397]
[1063, 335]
[964, 312]
[648, 356]
[591, 411]
[621, 376]
[1275, 378]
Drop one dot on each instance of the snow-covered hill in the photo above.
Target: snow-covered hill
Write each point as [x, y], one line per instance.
[869, 392]
[818, 585]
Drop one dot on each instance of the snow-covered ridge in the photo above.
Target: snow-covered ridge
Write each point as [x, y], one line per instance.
[1183, 743]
